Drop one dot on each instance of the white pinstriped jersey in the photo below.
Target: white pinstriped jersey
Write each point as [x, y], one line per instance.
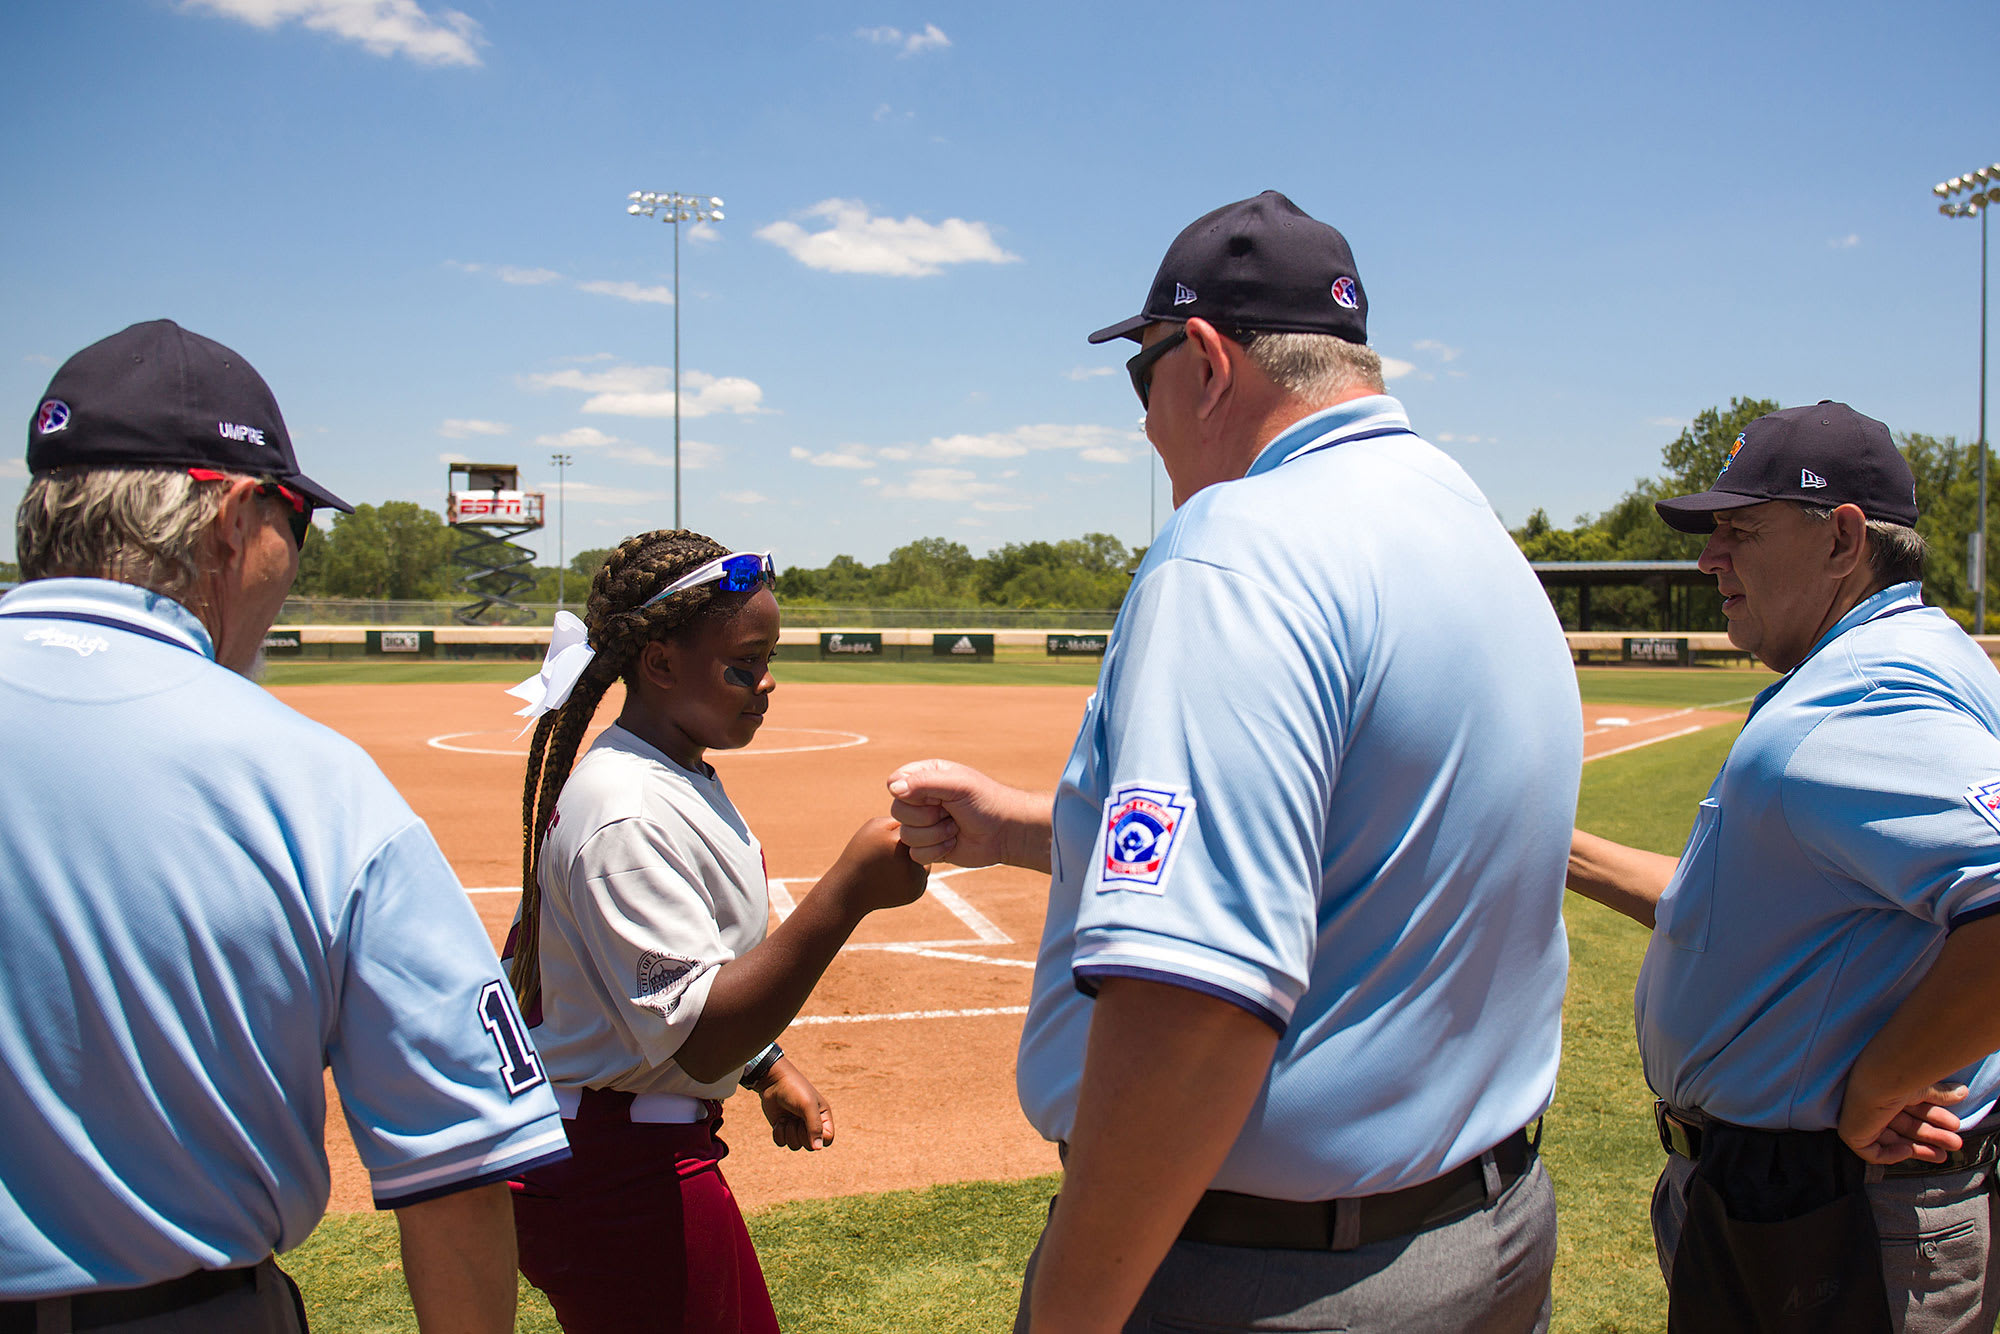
[208, 899]
[1328, 776]
[650, 882]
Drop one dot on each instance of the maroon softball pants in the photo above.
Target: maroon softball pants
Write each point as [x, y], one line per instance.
[638, 1233]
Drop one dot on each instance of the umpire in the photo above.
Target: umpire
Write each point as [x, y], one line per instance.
[1296, 1010]
[1820, 984]
[209, 899]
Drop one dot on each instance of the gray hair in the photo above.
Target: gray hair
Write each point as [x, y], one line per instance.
[1317, 368]
[144, 526]
[1896, 553]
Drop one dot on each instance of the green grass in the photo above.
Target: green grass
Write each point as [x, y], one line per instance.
[949, 1258]
[1672, 687]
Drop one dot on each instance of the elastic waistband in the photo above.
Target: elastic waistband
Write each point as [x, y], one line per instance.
[670, 1109]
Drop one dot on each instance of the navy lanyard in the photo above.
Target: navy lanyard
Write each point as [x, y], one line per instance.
[92, 619]
[1348, 440]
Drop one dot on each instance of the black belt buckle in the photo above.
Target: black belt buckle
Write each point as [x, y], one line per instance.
[1678, 1137]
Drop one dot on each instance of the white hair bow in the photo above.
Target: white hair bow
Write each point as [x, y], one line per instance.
[569, 653]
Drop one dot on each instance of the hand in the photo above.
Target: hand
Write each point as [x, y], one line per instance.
[953, 813]
[799, 1117]
[876, 869]
[1889, 1127]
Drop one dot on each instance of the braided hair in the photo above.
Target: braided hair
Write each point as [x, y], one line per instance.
[619, 626]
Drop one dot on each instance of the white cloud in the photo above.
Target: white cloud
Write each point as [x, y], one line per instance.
[950, 485]
[857, 242]
[577, 437]
[694, 454]
[895, 454]
[13, 467]
[746, 497]
[1395, 369]
[1847, 242]
[507, 273]
[1447, 438]
[1088, 372]
[1029, 439]
[848, 456]
[383, 27]
[1444, 351]
[930, 39]
[1104, 454]
[628, 291]
[704, 232]
[589, 493]
[647, 391]
[464, 428]
[998, 506]
[583, 358]
[448, 457]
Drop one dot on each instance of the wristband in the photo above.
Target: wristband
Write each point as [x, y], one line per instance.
[754, 1073]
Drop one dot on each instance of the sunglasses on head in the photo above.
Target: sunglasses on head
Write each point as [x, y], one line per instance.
[738, 572]
[299, 520]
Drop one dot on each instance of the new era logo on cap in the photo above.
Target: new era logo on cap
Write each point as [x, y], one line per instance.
[1183, 294]
[1808, 479]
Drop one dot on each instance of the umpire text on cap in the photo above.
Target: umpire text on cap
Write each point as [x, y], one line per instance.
[157, 395]
[1827, 454]
[1260, 265]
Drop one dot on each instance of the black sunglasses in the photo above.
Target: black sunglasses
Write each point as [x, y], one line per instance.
[1140, 367]
[301, 516]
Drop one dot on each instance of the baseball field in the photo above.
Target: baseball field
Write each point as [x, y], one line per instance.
[922, 1213]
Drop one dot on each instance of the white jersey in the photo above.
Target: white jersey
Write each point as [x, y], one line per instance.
[650, 882]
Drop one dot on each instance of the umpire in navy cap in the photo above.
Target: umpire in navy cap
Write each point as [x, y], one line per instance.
[1819, 1009]
[1298, 1002]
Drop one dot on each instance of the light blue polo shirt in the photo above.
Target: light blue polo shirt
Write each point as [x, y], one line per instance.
[1329, 776]
[1855, 822]
[205, 900]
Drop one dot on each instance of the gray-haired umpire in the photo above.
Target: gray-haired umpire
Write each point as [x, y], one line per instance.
[1821, 985]
[209, 899]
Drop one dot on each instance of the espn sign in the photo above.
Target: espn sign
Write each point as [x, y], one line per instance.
[495, 507]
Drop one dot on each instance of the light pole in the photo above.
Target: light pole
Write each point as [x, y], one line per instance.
[674, 208]
[1983, 188]
[561, 462]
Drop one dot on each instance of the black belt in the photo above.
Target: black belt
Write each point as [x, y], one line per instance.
[94, 1310]
[1681, 1135]
[1224, 1218]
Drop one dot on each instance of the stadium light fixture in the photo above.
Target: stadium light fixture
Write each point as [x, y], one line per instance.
[1977, 206]
[674, 209]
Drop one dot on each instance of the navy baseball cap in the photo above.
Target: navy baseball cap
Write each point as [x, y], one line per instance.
[1262, 265]
[1827, 454]
[156, 395]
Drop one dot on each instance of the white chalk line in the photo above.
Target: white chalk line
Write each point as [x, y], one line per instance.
[909, 1014]
[1606, 724]
[1649, 741]
[447, 740]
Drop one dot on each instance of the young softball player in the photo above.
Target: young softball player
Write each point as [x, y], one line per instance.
[640, 953]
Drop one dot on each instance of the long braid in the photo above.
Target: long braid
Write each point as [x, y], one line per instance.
[619, 626]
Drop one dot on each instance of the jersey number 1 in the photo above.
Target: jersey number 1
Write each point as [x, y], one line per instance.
[518, 1065]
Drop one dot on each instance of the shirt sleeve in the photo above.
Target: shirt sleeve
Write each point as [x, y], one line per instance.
[1223, 728]
[442, 1089]
[646, 918]
[1900, 793]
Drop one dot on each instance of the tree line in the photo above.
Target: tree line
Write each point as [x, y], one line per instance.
[1947, 478]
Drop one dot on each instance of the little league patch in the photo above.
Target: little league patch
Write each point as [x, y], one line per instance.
[1142, 828]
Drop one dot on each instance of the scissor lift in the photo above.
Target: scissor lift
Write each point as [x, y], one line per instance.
[485, 506]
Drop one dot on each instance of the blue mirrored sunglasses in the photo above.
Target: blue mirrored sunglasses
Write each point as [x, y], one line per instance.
[738, 572]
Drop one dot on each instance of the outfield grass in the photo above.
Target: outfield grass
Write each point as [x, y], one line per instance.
[1672, 687]
[949, 1258]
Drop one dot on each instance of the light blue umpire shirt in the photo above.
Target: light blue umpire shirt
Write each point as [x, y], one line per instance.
[1329, 775]
[205, 900]
[1853, 825]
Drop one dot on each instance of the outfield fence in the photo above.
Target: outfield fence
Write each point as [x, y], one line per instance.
[319, 611]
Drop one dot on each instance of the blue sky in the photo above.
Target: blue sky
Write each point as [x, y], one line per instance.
[1578, 224]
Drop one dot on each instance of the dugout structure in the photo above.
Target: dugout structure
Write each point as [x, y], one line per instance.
[485, 505]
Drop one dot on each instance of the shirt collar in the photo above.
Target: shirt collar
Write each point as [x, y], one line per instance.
[1896, 597]
[1328, 426]
[107, 601]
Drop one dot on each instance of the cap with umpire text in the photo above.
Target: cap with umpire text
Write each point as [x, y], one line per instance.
[1827, 454]
[156, 395]
[1260, 264]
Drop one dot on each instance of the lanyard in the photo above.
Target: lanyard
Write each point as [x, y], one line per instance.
[93, 619]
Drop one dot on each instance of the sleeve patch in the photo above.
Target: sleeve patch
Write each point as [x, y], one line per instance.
[663, 980]
[1142, 828]
[1985, 798]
